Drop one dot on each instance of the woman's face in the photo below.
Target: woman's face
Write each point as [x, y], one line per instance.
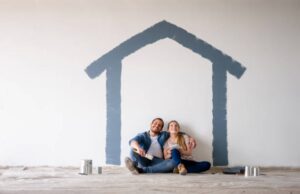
[173, 127]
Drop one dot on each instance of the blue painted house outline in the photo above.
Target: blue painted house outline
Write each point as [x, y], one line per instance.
[111, 62]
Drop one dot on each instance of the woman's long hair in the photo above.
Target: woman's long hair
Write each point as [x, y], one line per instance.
[180, 138]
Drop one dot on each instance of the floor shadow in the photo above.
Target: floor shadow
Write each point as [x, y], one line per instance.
[112, 63]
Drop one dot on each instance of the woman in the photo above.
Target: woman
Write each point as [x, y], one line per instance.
[178, 142]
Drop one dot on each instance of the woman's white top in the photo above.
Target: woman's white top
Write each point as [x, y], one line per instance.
[170, 144]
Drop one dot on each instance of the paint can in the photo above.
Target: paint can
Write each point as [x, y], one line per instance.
[86, 167]
[99, 170]
[248, 171]
[255, 171]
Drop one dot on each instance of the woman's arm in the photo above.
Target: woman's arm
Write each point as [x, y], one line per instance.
[192, 142]
[187, 152]
[167, 151]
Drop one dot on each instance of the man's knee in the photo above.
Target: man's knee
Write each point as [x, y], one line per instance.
[134, 157]
[138, 160]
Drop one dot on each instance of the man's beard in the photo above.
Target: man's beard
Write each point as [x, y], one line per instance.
[155, 132]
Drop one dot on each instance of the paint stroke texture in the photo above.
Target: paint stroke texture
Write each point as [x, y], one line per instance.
[112, 63]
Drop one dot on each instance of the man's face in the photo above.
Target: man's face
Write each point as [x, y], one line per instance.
[156, 126]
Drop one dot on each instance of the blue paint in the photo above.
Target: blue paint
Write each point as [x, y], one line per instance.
[112, 62]
[220, 152]
[113, 97]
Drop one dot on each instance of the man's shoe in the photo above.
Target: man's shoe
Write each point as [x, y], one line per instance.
[175, 170]
[182, 170]
[131, 167]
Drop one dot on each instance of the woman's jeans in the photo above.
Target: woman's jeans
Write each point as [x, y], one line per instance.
[195, 167]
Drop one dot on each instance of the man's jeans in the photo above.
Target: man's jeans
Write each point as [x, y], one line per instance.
[159, 165]
[156, 165]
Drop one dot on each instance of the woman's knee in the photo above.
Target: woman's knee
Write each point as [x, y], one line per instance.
[206, 165]
[175, 153]
[176, 157]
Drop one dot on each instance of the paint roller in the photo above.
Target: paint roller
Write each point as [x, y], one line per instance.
[148, 156]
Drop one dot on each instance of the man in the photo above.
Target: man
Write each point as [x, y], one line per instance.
[151, 143]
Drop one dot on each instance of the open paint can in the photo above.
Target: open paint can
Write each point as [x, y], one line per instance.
[99, 170]
[248, 171]
[255, 171]
[251, 171]
[86, 167]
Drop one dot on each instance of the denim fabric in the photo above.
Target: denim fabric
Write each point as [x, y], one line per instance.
[157, 165]
[195, 167]
[144, 139]
[190, 165]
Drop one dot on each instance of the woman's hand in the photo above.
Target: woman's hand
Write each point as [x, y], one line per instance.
[167, 153]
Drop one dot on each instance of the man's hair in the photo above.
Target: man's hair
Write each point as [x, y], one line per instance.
[158, 118]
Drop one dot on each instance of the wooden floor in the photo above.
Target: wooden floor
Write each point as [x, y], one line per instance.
[65, 180]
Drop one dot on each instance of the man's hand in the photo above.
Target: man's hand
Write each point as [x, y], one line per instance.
[139, 151]
[192, 143]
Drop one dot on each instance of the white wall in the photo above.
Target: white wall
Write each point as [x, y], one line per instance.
[53, 114]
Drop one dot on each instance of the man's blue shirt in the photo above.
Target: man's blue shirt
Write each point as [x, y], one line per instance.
[144, 139]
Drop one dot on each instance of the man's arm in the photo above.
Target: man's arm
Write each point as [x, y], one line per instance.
[135, 144]
[192, 142]
[136, 148]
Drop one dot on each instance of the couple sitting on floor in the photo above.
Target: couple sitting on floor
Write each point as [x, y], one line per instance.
[157, 151]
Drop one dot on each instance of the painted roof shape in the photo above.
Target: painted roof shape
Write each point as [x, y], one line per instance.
[159, 31]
